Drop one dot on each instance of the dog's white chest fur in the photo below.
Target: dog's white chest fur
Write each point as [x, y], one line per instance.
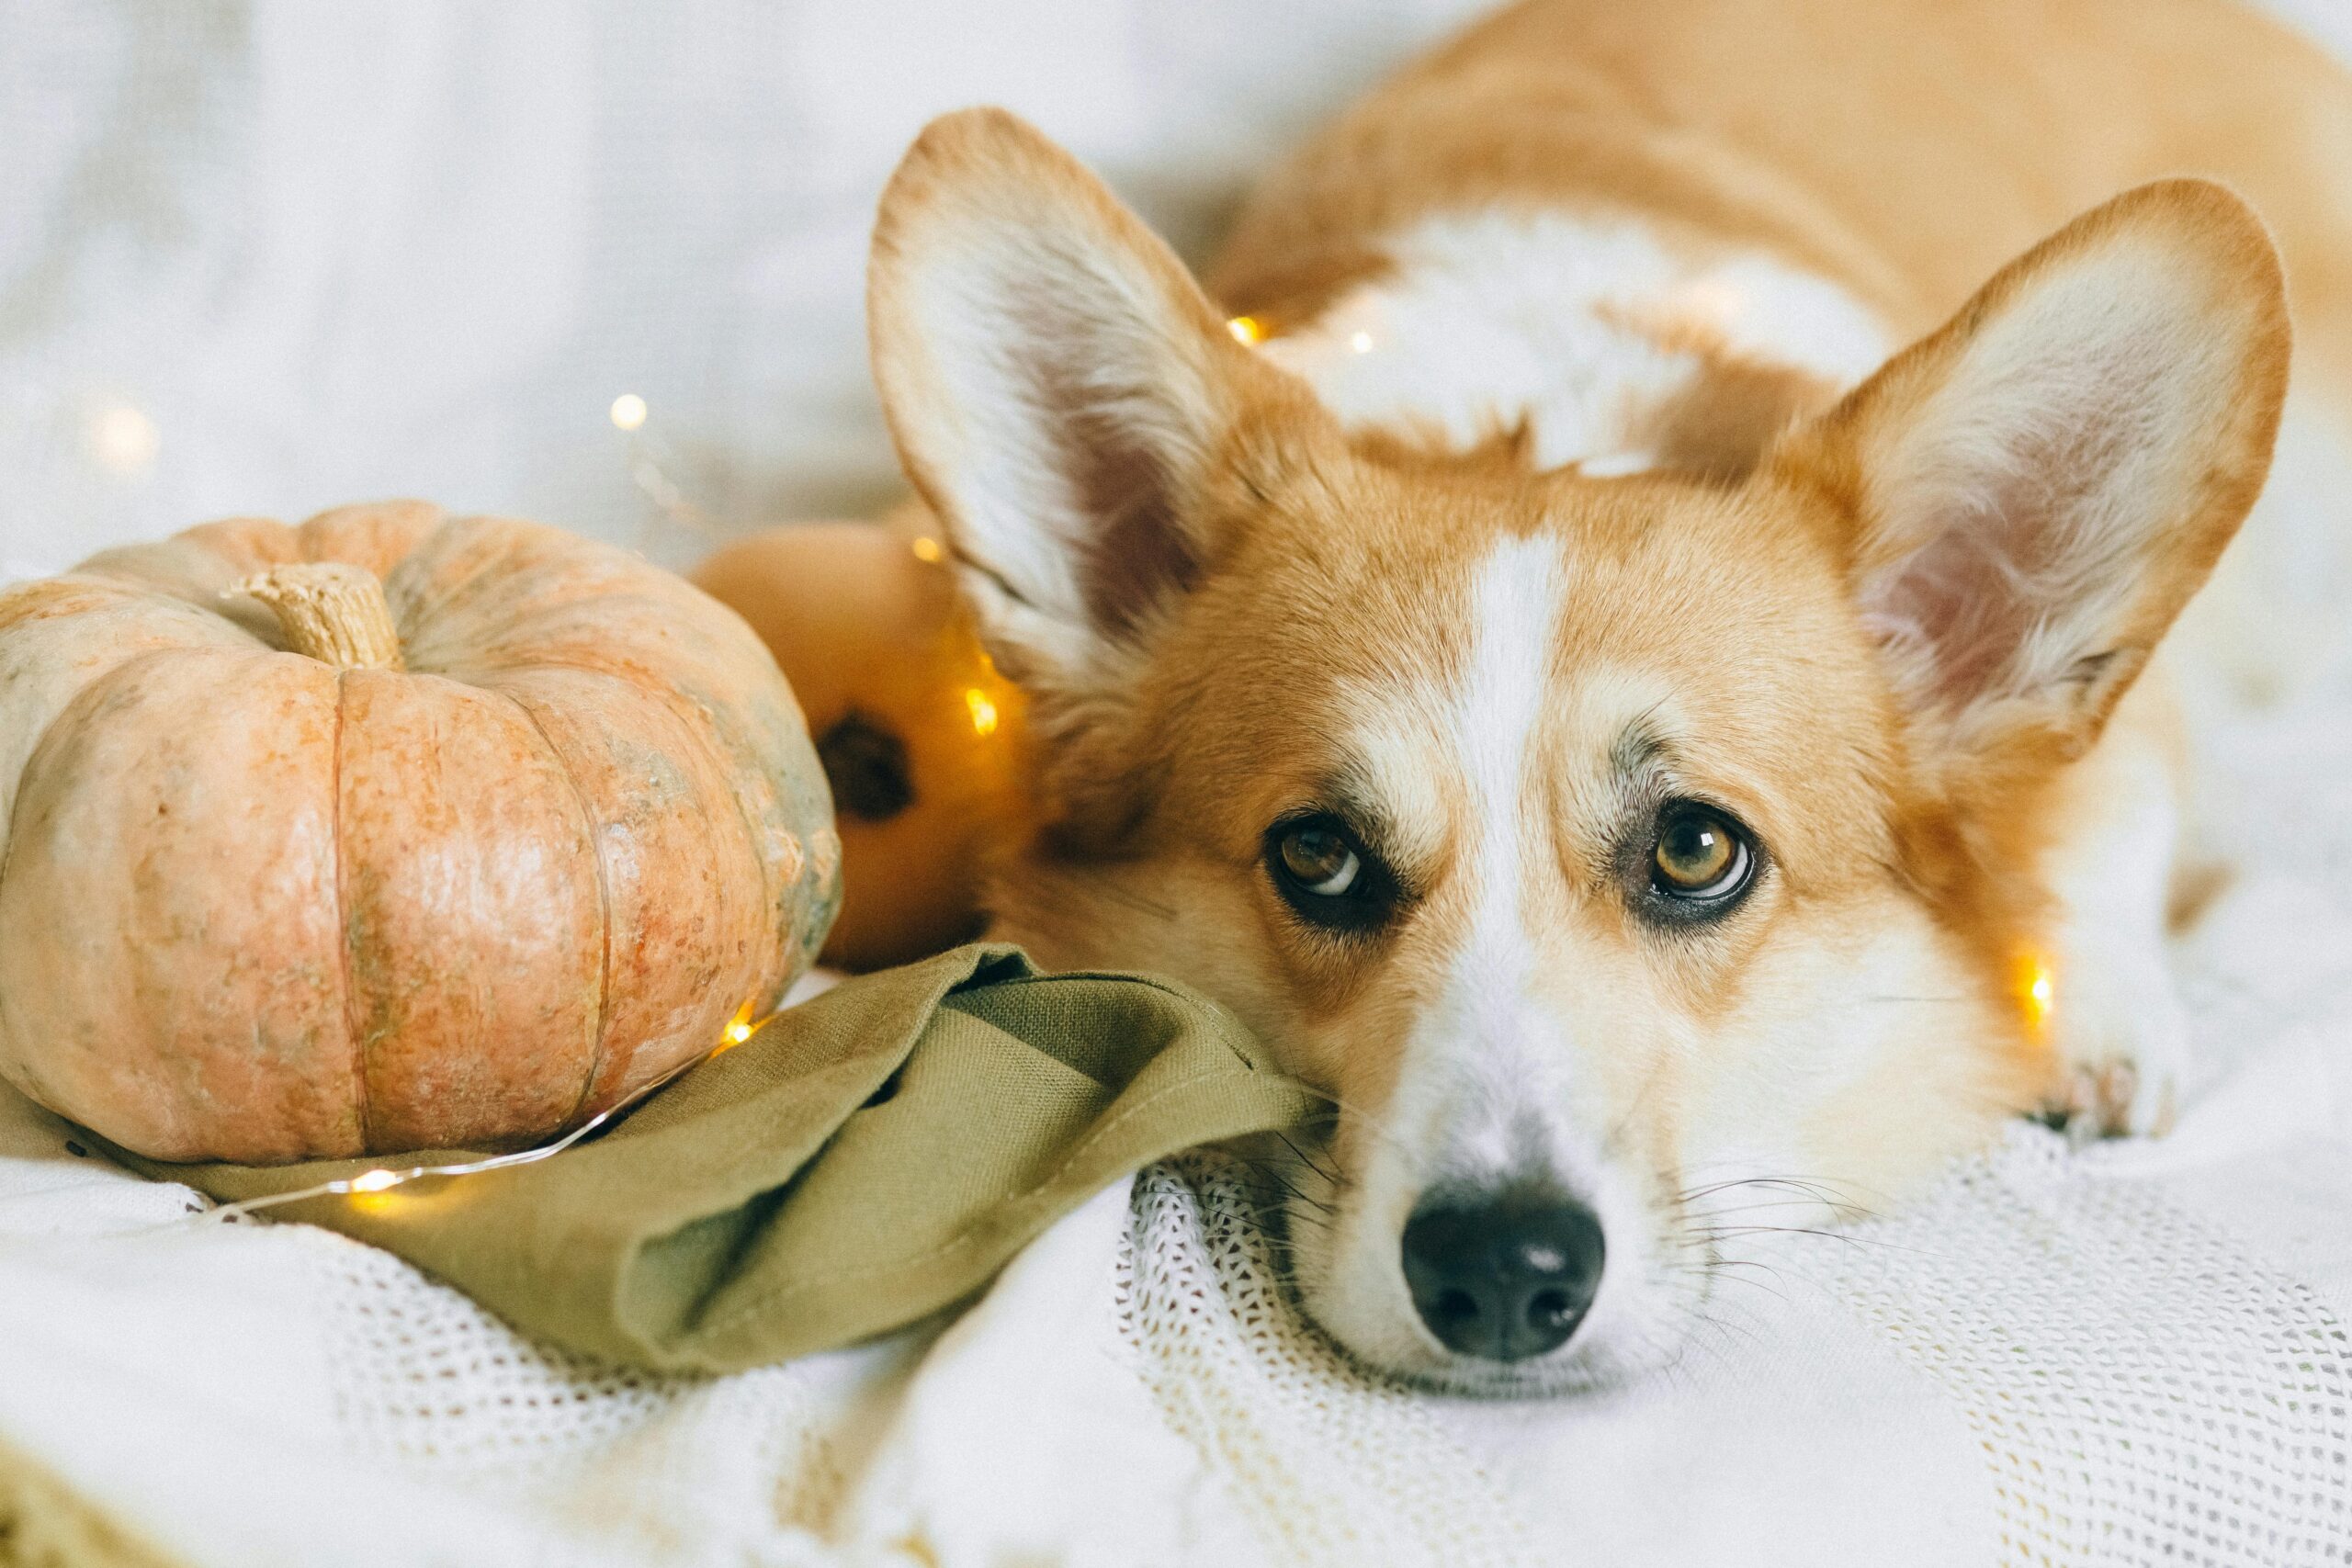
[1571, 324]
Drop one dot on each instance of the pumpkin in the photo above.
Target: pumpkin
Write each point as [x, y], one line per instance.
[919, 737]
[386, 832]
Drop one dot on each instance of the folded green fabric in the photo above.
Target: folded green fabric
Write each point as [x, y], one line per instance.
[861, 1161]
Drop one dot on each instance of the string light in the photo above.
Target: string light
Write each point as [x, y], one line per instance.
[1361, 342]
[367, 1189]
[926, 549]
[123, 438]
[984, 714]
[2037, 990]
[1248, 331]
[648, 469]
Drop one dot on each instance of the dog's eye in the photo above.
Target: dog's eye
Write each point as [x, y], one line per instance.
[1326, 874]
[1702, 855]
[1320, 862]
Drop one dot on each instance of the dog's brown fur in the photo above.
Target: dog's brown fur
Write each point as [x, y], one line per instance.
[1906, 148]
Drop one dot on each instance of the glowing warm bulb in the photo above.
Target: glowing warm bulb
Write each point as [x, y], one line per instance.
[1361, 343]
[123, 438]
[1248, 331]
[629, 412]
[926, 548]
[983, 711]
[2037, 990]
[738, 1029]
[373, 1180]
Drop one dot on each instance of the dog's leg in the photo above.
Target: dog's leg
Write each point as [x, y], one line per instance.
[2117, 1027]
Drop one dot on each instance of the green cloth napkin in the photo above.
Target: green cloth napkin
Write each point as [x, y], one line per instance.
[863, 1160]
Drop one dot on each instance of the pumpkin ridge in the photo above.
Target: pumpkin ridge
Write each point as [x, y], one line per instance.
[412, 609]
[343, 924]
[125, 592]
[16, 798]
[703, 725]
[774, 896]
[604, 903]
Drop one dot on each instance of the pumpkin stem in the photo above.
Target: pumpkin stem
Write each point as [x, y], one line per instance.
[331, 611]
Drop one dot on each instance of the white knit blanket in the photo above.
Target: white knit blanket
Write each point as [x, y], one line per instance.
[2134, 1355]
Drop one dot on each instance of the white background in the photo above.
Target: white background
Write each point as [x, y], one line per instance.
[272, 255]
[268, 257]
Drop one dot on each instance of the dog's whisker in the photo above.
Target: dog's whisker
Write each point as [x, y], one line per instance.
[1269, 1189]
[1365, 1120]
[1329, 1176]
[1324, 1212]
[1847, 1207]
[1712, 1272]
[1801, 1184]
[1734, 1232]
[1755, 1208]
[1276, 1184]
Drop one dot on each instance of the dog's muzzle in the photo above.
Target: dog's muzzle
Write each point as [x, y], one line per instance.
[1503, 1277]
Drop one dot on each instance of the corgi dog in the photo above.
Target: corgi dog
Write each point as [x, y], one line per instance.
[1620, 630]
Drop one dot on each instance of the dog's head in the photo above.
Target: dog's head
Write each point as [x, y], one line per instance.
[1595, 843]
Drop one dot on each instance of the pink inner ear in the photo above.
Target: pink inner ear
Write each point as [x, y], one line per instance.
[2021, 553]
[1132, 552]
[1138, 554]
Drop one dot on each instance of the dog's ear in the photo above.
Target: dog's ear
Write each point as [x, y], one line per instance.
[1061, 393]
[2027, 497]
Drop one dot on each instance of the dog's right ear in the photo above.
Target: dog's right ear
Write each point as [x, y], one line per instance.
[1060, 391]
[2027, 497]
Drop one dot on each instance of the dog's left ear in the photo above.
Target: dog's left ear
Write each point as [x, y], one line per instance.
[2027, 497]
[1061, 392]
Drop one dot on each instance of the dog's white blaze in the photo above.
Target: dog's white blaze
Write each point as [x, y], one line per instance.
[1481, 1050]
[1487, 318]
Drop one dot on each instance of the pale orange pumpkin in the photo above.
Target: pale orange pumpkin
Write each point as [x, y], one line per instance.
[920, 736]
[386, 832]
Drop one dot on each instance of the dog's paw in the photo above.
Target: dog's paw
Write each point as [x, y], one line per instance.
[2112, 1099]
[2123, 1054]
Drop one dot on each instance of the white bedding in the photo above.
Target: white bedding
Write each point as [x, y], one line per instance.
[268, 257]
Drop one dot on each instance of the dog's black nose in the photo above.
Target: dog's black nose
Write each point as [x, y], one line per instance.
[1503, 1278]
